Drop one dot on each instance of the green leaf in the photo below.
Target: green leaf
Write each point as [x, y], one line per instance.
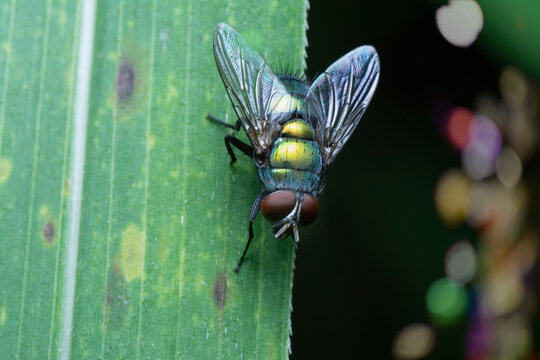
[120, 217]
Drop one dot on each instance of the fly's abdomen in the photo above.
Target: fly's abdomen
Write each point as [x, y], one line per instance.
[295, 160]
[290, 179]
[295, 154]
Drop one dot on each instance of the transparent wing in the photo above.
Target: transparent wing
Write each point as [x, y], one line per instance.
[339, 97]
[257, 95]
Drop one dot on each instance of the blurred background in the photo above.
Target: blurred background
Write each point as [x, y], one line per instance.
[427, 242]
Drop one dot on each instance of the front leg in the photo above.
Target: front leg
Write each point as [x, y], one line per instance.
[252, 216]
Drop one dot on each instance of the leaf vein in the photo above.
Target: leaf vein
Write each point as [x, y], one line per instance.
[5, 85]
[78, 147]
[185, 176]
[33, 176]
[62, 179]
[111, 182]
[147, 172]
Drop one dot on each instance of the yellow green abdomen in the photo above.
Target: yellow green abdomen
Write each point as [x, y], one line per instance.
[295, 154]
[295, 161]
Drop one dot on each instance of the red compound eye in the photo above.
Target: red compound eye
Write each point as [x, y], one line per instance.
[278, 204]
[309, 210]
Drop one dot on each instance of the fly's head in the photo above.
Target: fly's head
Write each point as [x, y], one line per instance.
[287, 210]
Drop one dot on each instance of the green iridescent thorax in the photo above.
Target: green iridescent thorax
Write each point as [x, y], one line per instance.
[294, 86]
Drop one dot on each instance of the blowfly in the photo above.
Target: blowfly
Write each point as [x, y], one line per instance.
[296, 128]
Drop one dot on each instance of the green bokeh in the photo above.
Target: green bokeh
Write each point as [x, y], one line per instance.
[446, 301]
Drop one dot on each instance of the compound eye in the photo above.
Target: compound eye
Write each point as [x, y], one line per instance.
[278, 205]
[309, 210]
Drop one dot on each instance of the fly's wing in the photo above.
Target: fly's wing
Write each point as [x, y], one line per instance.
[257, 95]
[339, 97]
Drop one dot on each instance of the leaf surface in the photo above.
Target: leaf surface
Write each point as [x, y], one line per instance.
[120, 224]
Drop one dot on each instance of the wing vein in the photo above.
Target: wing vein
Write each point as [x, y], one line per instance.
[340, 95]
[254, 90]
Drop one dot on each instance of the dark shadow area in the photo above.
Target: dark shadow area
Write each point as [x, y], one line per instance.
[362, 270]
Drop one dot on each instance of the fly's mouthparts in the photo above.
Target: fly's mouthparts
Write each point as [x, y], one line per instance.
[295, 233]
[283, 226]
[283, 229]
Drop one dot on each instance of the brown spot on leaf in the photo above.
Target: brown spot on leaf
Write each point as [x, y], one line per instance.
[116, 266]
[116, 300]
[48, 231]
[220, 290]
[125, 81]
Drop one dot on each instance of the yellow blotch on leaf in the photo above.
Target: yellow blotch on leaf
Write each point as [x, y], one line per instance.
[3, 312]
[43, 211]
[61, 17]
[132, 251]
[174, 173]
[5, 169]
[6, 47]
[172, 91]
[151, 141]
[199, 282]
[110, 101]
[112, 56]
[270, 349]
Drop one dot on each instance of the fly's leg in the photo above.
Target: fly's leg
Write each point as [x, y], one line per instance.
[236, 126]
[230, 139]
[239, 144]
[248, 150]
[254, 211]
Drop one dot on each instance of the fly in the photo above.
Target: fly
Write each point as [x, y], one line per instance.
[296, 128]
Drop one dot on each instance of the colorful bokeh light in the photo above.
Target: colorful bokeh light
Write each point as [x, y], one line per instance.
[508, 168]
[452, 197]
[485, 145]
[414, 341]
[461, 262]
[446, 301]
[460, 22]
[458, 127]
[495, 141]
